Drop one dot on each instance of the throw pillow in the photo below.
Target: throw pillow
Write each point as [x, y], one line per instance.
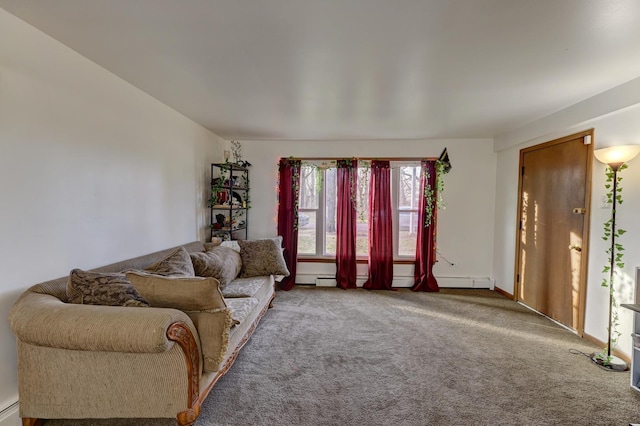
[231, 244]
[262, 257]
[184, 293]
[178, 263]
[222, 263]
[94, 288]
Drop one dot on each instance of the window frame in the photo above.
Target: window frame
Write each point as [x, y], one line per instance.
[320, 234]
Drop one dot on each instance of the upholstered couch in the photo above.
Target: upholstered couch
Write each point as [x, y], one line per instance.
[157, 355]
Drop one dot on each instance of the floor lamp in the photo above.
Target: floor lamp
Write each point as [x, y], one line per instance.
[614, 157]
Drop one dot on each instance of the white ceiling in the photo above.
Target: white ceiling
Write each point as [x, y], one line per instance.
[354, 69]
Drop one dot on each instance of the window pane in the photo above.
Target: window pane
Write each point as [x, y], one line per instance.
[331, 194]
[409, 189]
[408, 227]
[308, 187]
[362, 215]
[306, 232]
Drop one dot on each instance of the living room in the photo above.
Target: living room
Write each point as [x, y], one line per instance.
[95, 170]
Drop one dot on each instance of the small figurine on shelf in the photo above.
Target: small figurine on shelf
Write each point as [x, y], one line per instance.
[220, 218]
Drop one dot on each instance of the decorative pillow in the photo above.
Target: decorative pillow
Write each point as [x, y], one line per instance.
[222, 263]
[212, 244]
[176, 264]
[184, 293]
[231, 244]
[262, 257]
[94, 288]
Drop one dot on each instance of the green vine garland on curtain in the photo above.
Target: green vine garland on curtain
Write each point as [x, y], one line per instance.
[431, 194]
[295, 177]
[348, 163]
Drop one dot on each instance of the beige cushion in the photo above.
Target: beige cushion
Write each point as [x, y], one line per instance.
[184, 293]
[241, 308]
[221, 263]
[177, 263]
[94, 288]
[262, 257]
[231, 244]
[212, 244]
[244, 287]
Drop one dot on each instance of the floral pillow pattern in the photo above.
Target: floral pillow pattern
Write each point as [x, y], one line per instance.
[176, 264]
[94, 288]
[262, 257]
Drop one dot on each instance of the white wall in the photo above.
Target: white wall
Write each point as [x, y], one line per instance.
[618, 127]
[92, 171]
[465, 227]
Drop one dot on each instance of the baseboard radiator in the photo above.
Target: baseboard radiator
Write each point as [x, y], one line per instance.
[403, 282]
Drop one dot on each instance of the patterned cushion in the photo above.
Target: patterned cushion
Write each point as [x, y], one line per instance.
[243, 287]
[177, 264]
[184, 293]
[94, 288]
[221, 263]
[241, 307]
[231, 244]
[262, 257]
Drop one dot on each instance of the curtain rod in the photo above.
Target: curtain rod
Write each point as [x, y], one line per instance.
[362, 158]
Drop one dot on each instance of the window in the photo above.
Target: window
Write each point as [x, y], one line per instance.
[317, 209]
[407, 182]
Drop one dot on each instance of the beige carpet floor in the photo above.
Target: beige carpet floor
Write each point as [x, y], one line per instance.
[459, 357]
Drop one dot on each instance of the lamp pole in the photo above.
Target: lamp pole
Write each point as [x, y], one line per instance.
[614, 167]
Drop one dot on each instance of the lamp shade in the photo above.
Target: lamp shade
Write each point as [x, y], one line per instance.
[617, 155]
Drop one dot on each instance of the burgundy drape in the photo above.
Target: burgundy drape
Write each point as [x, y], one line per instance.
[380, 231]
[347, 175]
[426, 238]
[288, 191]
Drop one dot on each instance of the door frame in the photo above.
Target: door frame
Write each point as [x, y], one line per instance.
[584, 264]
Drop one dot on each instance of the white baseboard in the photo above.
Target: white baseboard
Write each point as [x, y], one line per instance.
[10, 416]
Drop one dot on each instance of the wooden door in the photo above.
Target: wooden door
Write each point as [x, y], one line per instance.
[553, 228]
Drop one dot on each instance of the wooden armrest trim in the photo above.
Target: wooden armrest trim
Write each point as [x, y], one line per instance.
[180, 333]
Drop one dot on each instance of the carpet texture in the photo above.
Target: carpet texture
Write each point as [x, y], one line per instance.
[459, 357]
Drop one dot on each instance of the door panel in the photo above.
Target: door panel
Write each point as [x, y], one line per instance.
[554, 195]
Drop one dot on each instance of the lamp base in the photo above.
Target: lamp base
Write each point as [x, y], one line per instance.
[614, 364]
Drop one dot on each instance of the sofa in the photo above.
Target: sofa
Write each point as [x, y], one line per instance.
[152, 350]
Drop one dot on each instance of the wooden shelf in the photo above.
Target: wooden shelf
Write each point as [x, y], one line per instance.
[235, 179]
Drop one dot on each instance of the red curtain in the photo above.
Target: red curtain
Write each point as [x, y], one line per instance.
[426, 238]
[380, 231]
[347, 176]
[288, 191]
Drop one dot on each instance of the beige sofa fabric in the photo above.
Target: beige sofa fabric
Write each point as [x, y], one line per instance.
[95, 384]
[184, 293]
[44, 320]
[213, 328]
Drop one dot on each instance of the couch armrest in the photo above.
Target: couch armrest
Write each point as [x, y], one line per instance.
[44, 320]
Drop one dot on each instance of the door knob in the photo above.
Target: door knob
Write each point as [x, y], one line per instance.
[579, 210]
[575, 247]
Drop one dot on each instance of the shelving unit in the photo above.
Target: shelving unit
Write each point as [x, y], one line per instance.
[229, 202]
[635, 351]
